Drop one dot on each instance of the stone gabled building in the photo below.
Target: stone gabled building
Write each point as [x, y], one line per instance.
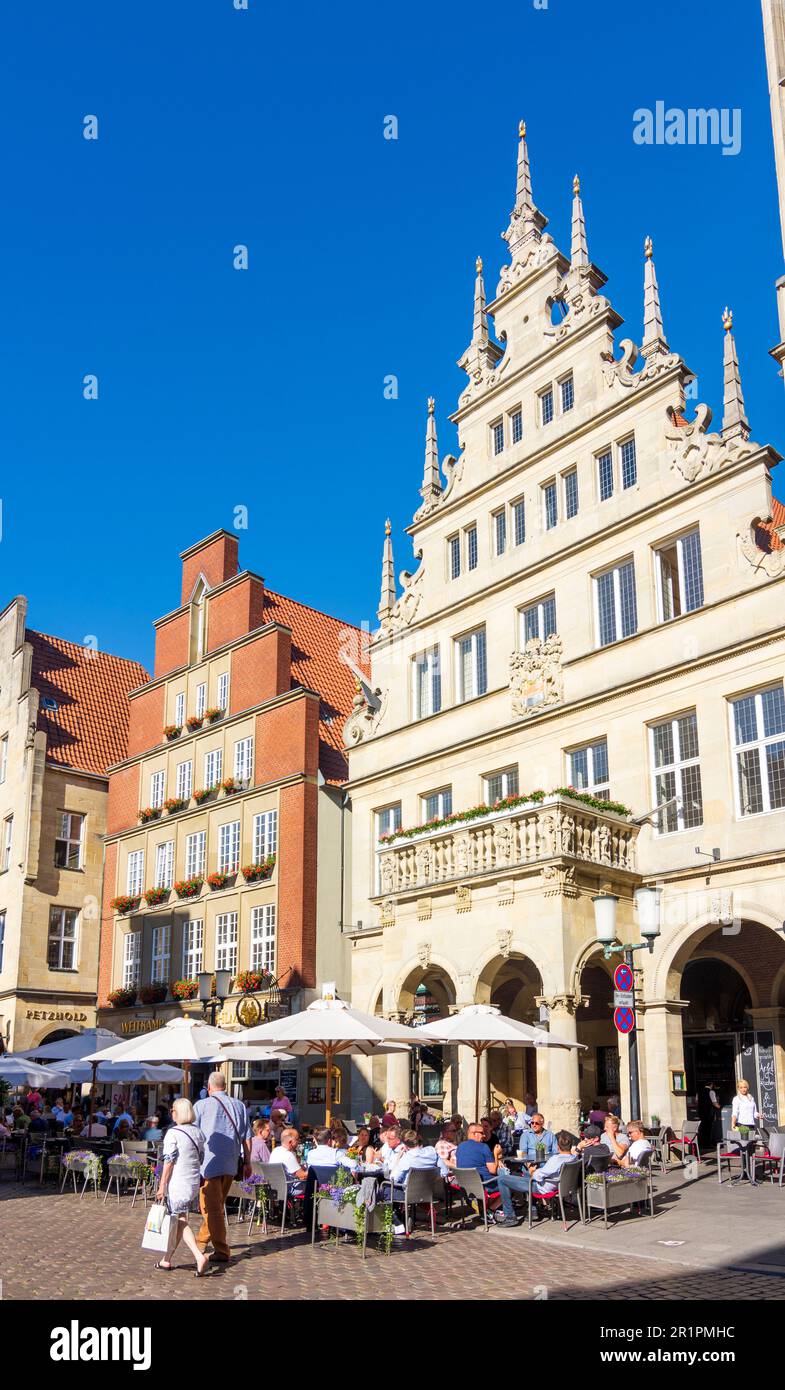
[596, 606]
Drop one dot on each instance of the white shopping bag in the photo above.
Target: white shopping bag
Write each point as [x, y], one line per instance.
[158, 1229]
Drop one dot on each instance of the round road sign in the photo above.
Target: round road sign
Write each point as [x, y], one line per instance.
[622, 977]
[624, 1020]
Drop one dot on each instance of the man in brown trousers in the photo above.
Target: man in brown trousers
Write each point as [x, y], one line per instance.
[224, 1123]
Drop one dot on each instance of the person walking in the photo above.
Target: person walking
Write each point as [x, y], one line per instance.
[180, 1178]
[224, 1123]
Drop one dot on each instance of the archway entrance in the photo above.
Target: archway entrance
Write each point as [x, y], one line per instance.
[512, 983]
[427, 995]
[57, 1035]
[598, 1066]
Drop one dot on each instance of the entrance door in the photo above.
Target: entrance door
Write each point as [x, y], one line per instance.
[709, 1060]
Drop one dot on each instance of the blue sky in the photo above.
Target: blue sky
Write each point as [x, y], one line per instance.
[263, 388]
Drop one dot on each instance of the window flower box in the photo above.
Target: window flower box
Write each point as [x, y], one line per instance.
[248, 981]
[153, 994]
[125, 903]
[148, 813]
[194, 722]
[204, 794]
[213, 714]
[175, 803]
[154, 896]
[189, 887]
[172, 731]
[219, 879]
[506, 803]
[122, 998]
[230, 784]
[257, 873]
[185, 989]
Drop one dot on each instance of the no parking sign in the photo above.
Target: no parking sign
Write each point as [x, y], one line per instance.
[624, 1019]
[622, 977]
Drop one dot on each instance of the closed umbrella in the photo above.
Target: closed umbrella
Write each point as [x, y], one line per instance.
[482, 1026]
[20, 1071]
[329, 1028]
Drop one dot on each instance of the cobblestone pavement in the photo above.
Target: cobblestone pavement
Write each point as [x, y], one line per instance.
[59, 1246]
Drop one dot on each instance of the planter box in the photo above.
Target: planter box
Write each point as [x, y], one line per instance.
[328, 1213]
[610, 1196]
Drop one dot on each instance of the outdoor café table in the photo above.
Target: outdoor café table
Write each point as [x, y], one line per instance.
[56, 1147]
[745, 1147]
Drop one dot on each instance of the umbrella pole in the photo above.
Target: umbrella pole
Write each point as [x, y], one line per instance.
[92, 1100]
[328, 1093]
[477, 1055]
[187, 1080]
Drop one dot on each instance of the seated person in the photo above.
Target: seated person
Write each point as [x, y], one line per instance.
[360, 1143]
[328, 1152]
[151, 1129]
[284, 1153]
[414, 1153]
[638, 1145]
[260, 1141]
[592, 1139]
[447, 1144]
[391, 1145]
[77, 1125]
[95, 1128]
[474, 1153]
[597, 1115]
[38, 1125]
[120, 1115]
[121, 1131]
[21, 1120]
[543, 1181]
[614, 1140]
[277, 1124]
[537, 1135]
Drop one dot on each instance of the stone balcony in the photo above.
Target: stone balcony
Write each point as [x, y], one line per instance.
[554, 837]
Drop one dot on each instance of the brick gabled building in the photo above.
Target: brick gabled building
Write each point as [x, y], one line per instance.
[234, 760]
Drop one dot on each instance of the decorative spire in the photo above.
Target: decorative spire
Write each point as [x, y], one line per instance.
[526, 221]
[388, 597]
[735, 424]
[523, 186]
[431, 481]
[481, 352]
[480, 321]
[653, 332]
[579, 250]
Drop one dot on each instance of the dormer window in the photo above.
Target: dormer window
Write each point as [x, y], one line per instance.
[50, 705]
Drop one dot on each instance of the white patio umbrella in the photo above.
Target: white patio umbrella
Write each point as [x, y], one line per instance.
[251, 1053]
[327, 1028]
[144, 1072]
[20, 1071]
[79, 1045]
[482, 1026]
[180, 1040]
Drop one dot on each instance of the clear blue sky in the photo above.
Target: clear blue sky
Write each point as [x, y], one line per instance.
[264, 388]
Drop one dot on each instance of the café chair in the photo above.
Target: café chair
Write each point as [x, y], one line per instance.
[472, 1189]
[686, 1141]
[570, 1189]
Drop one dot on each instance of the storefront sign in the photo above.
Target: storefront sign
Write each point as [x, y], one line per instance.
[56, 1015]
[248, 1011]
[141, 1025]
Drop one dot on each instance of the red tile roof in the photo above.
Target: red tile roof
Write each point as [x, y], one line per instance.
[767, 536]
[89, 728]
[317, 642]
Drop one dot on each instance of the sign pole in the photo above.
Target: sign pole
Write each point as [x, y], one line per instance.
[635, 1090]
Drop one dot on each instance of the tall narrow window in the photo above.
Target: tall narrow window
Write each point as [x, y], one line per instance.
[8, 836]
[179, 709]
[157, 786]
[243, 760]
[500, 532]
[193, 948]
[2, 937]
[617, 611]
[265, 835]
[471, 547]
[427, 683]
[201, 700]
[437, 805]
[162, 954]
[454, 556]
[499, 785]
[388, 820]
[497, 437]
[759, 751]
[516, 426]
[519, 521]
[61, 954]
[628, 464]
[546, 406]
[605, 475]
[677, 774]
[679, 576]
[538, 619]
[184, 780]
[589, 769]
[223, 690]
[132, 960]
[3, 758]
[550, 508]
[164, 864]
[229, 847]
[471, 674]
[567, 390]
[68, 845]
[571, 493]
[226, 941]
[194, 853]
[135, 876]
[263, 938]
[213, 767]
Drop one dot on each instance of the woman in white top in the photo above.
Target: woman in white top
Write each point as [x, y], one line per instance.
[182, 1155]
[745, 1110]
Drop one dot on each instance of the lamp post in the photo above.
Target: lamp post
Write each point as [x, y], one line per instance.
[214, 1002]
[647, 903]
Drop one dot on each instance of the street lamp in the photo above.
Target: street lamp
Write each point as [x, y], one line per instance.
[213, 1001]
[647, 903]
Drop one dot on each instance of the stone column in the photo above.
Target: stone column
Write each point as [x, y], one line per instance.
[361, 1085]
[399, 1076]
[661, 1050]
[558, 1081]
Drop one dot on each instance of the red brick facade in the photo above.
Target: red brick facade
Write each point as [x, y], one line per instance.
[124, 799]
[147, 720]
[261, 669]
[107, 924]
[297, 889]
[172, 641]
[215, 558]
[234, 612]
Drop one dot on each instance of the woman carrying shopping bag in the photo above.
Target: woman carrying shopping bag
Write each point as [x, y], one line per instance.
[179, 1184]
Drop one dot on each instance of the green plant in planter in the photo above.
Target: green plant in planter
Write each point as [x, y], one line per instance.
[253, 873]
[203, 793]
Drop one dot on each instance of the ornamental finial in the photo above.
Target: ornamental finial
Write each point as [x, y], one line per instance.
[727, 319]
[521, 130]
[648, 248]
[387, 527]
[431, 405]
[576, 185]
[478, 265]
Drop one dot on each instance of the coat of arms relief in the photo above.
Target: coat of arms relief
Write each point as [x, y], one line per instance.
[536, 679]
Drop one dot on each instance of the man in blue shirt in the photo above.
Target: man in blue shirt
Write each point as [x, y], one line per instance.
[543, 1180]
[224, 1123]
[475, 1153]
[537, 1136]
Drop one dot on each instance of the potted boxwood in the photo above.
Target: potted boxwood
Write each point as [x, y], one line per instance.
[219, 879]
[253, 873]
[172, 731]
[154, 896]
[185, 989]
[153, 994]
[125, 903]
[214, 713]
[194, 721]
[250, 980]
[175, 803]
[122, 998]
[189, 887]
[147, 813]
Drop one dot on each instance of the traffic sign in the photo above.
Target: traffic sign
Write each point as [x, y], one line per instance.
[623, 998]
[624, 1020]
[622, 977]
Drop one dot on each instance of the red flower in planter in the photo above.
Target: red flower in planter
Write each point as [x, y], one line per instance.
[172, 730]
[218, 880]
[253, 872]
[175, 803]
[185, 989]
[229, 785]
[122, 998]
[124, 903]
[189, 887]
[213, 713]
[194, 721]
[147, 813]
[153, 994]
[153, 896]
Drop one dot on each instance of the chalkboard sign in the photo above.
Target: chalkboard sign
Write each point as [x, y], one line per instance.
[289, 1082]
[757, 1066]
